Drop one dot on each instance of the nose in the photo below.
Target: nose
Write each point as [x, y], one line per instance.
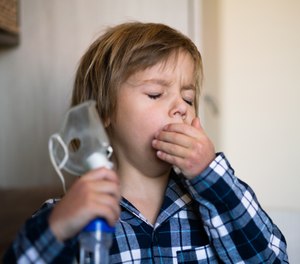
[178, 109]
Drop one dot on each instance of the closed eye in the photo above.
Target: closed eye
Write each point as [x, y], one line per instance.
[189, 101]
[154, 96]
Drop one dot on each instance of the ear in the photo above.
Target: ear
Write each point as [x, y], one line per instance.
[106, 122]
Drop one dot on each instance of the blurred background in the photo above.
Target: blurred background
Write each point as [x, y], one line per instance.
[249, 107]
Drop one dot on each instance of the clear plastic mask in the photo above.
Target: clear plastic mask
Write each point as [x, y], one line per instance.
[82, 143]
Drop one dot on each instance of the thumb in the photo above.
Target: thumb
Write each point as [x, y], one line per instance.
[196, 123]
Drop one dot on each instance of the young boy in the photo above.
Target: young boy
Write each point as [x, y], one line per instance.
[146, 79]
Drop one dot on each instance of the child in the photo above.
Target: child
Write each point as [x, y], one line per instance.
[146, 79]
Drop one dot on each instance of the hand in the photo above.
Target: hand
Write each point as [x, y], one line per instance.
[185, 146]
[96, 194]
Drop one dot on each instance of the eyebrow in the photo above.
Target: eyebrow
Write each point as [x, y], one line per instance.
[161, 82]
[189, 87]
[166, 83]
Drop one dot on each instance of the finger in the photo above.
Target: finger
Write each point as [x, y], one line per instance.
[107, 187]
[196, 123]
[101, 173]
[174, 138]
[107, 207]
[170, 148]
[97, 205]
[171, 159]
[109, 214]
[180, 128]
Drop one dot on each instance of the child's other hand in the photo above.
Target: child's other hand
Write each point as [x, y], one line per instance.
[185, 146]
[96, 194]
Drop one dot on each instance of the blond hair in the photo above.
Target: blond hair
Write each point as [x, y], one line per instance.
[121, 51]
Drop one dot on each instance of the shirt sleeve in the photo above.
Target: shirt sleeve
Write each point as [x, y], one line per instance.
[35, 242]
[238, 228]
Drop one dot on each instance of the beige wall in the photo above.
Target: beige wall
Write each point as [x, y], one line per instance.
[254, 47]
[251, 51]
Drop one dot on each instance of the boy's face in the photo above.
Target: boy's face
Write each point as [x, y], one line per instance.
[147, 101]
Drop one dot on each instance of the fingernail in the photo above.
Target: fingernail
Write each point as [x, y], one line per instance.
[166, 127]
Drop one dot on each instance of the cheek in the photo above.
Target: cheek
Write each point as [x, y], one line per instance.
[191, 115]
[139, 121]
[157, 119]
[150, 124]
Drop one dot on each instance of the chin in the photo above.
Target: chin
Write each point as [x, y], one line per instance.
[163, 165]
[159, 165]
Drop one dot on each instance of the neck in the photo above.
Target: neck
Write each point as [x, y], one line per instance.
[145, 192]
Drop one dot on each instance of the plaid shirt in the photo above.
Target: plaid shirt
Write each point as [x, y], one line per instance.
[214, 218]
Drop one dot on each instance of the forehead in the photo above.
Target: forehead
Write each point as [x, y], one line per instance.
[174, 59]
[177, 64]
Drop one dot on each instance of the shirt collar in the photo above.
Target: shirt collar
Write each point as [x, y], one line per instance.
[176, 197]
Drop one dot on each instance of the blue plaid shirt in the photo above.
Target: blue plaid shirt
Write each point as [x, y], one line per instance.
[214, 218]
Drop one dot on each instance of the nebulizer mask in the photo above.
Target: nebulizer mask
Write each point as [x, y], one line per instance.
[81, 144]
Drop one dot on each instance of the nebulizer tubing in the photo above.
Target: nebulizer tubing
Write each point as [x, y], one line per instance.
[59, 166]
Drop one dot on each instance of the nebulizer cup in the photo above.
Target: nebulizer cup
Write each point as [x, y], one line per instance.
[81, 144]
